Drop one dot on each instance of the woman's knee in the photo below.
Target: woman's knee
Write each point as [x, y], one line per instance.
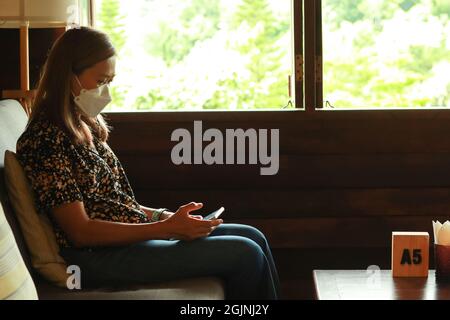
[254, 234]
[243, 231]
[247, 250]
[257, 233]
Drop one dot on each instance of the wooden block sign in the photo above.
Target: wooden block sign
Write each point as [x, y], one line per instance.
[410, 254]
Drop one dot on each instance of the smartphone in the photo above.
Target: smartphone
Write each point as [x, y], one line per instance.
[216, 214]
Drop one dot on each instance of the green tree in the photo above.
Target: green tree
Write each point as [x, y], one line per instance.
[111, 21]
[265, 61]
[344, 10]
[199, 21]
[358, 81]
[441, 7]
[338, 11]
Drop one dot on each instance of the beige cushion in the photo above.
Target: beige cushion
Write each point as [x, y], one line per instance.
[15, 280]
[36, 228]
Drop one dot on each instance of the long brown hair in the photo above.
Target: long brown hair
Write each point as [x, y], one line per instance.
[75, 51]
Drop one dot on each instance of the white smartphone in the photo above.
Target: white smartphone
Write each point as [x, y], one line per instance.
[216, 214]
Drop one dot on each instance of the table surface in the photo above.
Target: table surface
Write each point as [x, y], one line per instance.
[376, 285]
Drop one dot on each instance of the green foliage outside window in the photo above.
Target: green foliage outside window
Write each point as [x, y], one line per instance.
[236, 54]
[392, 53]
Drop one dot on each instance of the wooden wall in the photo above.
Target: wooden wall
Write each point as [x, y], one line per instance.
[347, 178]
[40, 43]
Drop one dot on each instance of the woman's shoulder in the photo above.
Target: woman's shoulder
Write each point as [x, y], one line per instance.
[41, 133]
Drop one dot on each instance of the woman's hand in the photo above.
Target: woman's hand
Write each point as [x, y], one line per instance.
[190, 227]
[167, 214]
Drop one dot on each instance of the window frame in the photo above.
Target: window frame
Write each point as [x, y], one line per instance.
[314, 67]
[307, 77]
[297, 78]
[298, 54]
[91, 13]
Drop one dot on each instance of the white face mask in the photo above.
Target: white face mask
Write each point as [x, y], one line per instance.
[93, 101]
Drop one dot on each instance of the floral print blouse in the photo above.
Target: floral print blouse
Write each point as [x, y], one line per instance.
[62, 172]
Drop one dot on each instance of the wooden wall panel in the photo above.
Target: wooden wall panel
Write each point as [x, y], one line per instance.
[9, 59]
[320, 171]
[300, 133]
[41, 41]
[346, 179]
[348, 232]
[306, 203]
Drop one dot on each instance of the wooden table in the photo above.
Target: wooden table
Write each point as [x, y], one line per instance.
[373, 285]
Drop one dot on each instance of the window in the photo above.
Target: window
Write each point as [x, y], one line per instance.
[278, 54]
[386, 53]
[199, 54]
[85, 10]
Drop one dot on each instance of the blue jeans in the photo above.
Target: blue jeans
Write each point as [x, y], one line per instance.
[238, 254]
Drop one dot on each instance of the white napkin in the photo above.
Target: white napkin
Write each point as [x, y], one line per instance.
[441, 233]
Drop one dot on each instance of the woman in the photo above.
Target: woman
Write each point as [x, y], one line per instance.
[99, 225]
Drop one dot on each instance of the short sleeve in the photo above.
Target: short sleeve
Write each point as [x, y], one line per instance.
[49, 170]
